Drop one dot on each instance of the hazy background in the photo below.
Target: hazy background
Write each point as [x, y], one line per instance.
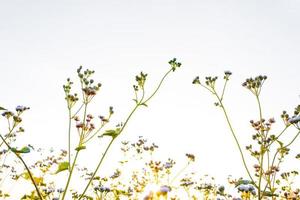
[43, 42]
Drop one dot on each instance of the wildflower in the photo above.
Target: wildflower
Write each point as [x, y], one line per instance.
[3, 151]
[155, 166]
[17, 119]
[242, 188]
[294, 120]
[104, 189]
[174, 64]
[21, 108]
[221, 189]
[168, 165]
[92, 126]
[7, 114]
[111, 110]
[135, 87]
[116, 174]
[256, 167]
[89, 91]
[79, 125]
[164, 189]
[210, 81]
[89, 116]
[227, 73]
[271, 120]
[60, 190]
[245, 188]
[196, 80]
[191, 157]
[103, 119]
[186, 182]
[255, 84]
[141, 79]
[149, 196]
[242, 182]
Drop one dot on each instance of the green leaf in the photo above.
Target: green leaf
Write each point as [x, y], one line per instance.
[62, 167]
[280, 143]
[23, 150]
[26, 176]
[143, 104]
[1, 108]
[79, 148]
[113, 132]
[135, 101]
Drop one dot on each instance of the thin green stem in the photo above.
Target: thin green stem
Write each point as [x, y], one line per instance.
[291, 142]
[223, 91]
[141, 102]
[69, 139]
[77, 110]
[5, 139]
[275, 155]
[128, 118]
[277, 137]
[75, 159]
[234, 136]
[159, 85]
[271, 180]
[143, 94]
[94, 134]
[3, 179]
[268, 177]
[260, 174]
[262, 149]
[8, 122]
[106, 150]
[27, 168]
[180, 172]
[70, 175]
[259, 107]
[97, 168]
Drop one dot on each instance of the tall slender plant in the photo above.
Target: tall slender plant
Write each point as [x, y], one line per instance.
[80, 122]
[268, 149]
[85, 127]
[13, 125]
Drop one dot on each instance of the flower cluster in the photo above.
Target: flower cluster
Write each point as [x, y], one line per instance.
[81, 120]
[70, 98]
[269, 148]
[89, 88]
[140, 79]
[174, 64]
[255, 84]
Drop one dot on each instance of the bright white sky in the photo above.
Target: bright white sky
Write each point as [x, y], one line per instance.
[43, 42]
